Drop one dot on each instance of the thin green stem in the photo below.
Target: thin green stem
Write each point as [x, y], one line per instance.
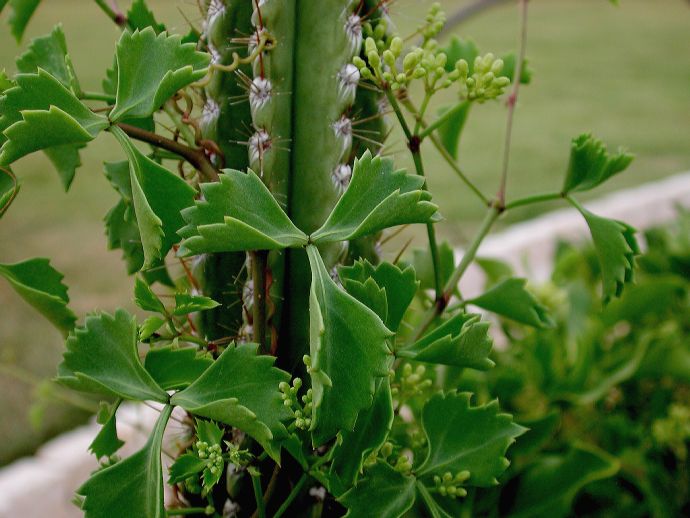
[422, 112]
[428, 500]
[536, 198]
[259, 268]
[258, 493]
[512, 101]
[117, 17]
[575, 203]
[184, 511]
[97, 96]
[399, 114]
[291, 497]
[428, 130]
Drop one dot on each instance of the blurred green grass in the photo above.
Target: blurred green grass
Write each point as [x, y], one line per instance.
[622, 73]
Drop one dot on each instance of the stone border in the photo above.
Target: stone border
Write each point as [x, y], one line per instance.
[43, 485]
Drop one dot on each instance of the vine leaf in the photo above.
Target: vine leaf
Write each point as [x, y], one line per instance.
[510, 299]
[237, 213]
[461, 341]
[41, 113]
[151, 69]
[123, 233]
[175, 368]
[548, 487]
[371, 431]
[41, 286]
[424, 265]
[102, 357]
[106, 442]
[5, 82]
[236, 390]
[384, 493]
[400, 286]
[464, 437]
[132, 487]
[145, 298]
[186, 466]
[22, 11]
[140, 16]
[158, 196]
[348, 347]
[616, 248]
[450, 131]
[150, 326]
[186, 303]
[378, 197]
[591, 164]
[9, 188]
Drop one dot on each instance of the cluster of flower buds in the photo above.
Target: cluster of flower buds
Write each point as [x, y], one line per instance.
[485, 82]
[395, 457]
[213, 455]
[674, 430]
[302, 412]
[434, 22]
[451, 486]
[412, 382]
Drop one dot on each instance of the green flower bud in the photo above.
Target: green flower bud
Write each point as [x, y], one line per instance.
[419, 72]
[369, 45]
[359, 62]
[396, 46]
[374, 59]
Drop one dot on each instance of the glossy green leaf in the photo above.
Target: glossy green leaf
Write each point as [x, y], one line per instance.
[123, 233]
[151, 69]
[66, 161]
[383, 493]
[241, 389]
[150, 326]
[5, 82]
[106, 442]
[237, 213]
[41, 286]
[48, 53]
[186, 303]
[509, 66]
[461, 341]
[591, 164]
[399, 285]
[145, 298]
[175, 368]
[463, 437]
[102, 357]
[371, 431]
[510, 299]
[132, 487]
[158, 196]
[209, 432]
[348, 348]
[185, 466]
[370, 294]
[616, 248]
[22, 11]
[549, 486]
[377, 198]
[9, 188]
[140, 16]
[450, 131]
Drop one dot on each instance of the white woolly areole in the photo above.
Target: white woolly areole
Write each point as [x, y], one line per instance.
[353, 31]
[216, 8]
[210, 112]
[341, 176]
[260, 93]
[259, 145]
[342, 128]
[348, 79]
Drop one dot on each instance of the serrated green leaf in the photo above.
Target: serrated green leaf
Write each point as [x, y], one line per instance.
[371, 431]
[22, 11]
[348, 347]
[549, 486]
[383, 493]
[616, 249]
[102, 357]
[370, 294]
[158, 196]
[132, 487]
[5, 82]
[185, 466]
[66, 161]
[237, 213]
[459, 48]
[539, 431]
[107, 442]
[41, 286]
[9, 188]
[377, 198]
[400, 286]
[48, 53]
[186, 303]
[151, 69]
[509, 66]
[591, 164]
[510, 299]
[241, 389]
[463, 437]
[450, 131]
[150, 326]
[209, 432]
[175, 368]
[140, 16]
[461, 341]
[123, 233]
[145, 298]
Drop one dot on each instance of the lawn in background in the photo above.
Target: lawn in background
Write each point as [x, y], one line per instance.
[622, 73]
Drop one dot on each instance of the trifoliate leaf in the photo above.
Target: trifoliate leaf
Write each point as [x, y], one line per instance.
[151, 69]
[158, 196]
[548, 487]
[41, 285]
[107, 442]
[140, 16]
[616, 248]
[424, 265]
[464, 437]
[150, 326]
[145, 298]
[591, 164]
[383, 492]
[175, 368]
[348, 347]
[510, 299]
[371, 431]
[241, 389]
[132, 487]
[378, 197]
[41, 113]
[450, 131]
[22, 11]
[186, 466]
[102, 357]
[461, 341]
[400, 286]
[237, 213]
[48, 53]
[9, 188]
[186, 303]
